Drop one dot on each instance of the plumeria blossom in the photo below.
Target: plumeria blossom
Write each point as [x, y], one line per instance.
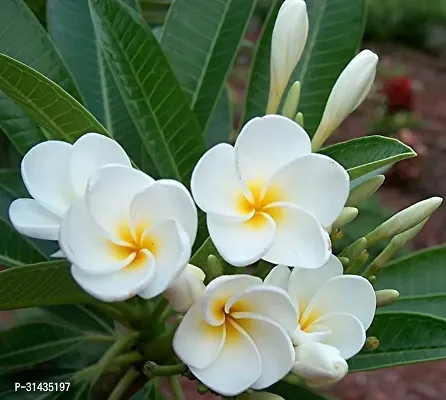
[269, 197]
[186, 289]
[331, 308]
[237, 335]
[319, 364]
[129, 234]
[55, 173]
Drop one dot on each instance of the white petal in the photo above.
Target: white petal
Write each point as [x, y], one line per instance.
[172, 253]
[31, 219]
[86, 245]
[304, 283]
[267, 301]
[236, 368]
[58, 254]
[268, 143]
[278, 276]
[300, 240]
[215, 185]
[163, 199]
[45, 173]
[274, 346]
[316, 183]
[90, 152]
[242, 243]
[109, 195]
[117, 285]
[347, 333]
[349, 294]
[195, 342]
[220, 290]
[313, 333]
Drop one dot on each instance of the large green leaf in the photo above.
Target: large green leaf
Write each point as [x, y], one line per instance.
[43, 284]
[366, 154]
[421, 280]
[404, 338]
[34, 343]
[23, 37]
[335, 32]
[71, 28]
[292, 392]
[164, 121]
[15, 249]
[221, 124]
[201, 39]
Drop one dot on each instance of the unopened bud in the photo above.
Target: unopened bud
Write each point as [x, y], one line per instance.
[292, 101]
[344, 261]
[404, 220]
[371, 279]
[365, 190]
[215, 267]
[386, 297]
[259, 396]
[358, 263]
[348, 214]
[353, 251]
[371, 343]
[299, 119]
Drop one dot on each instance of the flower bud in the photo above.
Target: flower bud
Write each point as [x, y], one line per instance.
[299, 119]
[186, 289]
[404, 220]
[292, 101]
[348, 93]
[319, 364]
[259, 396]
[348, 214]
[288, 42]
[364, 190]
[371, 343]
[386, 297]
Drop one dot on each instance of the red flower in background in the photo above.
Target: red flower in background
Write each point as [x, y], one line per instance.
[400, 94]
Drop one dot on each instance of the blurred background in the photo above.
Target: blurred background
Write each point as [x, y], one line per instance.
[408, 102]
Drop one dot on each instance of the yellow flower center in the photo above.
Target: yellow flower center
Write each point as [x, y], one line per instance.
[306, 322]
[135, 242]
[260, 204]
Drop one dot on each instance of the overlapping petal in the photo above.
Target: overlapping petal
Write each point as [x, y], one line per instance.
[278, 276]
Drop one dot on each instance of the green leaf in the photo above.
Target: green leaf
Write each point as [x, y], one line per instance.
[62, 116]
[71, 28]
[43, 284]
[35, 343]
[421, 280]
[23, 37]
[363, 155]
[200, 257]
[201, 39]
[295, 391]
[164, 121]
[335, 33]
[404, 338]
[221, 123]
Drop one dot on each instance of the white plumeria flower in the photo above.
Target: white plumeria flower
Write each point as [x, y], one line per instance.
[287, 44]
[186, 289]
[347, 94]
[55, 173]
[129, 234]
[237, 335]
[319, 364]
[331, 308]
[269, 197]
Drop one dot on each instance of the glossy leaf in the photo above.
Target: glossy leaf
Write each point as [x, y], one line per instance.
[404, 338]
[201, 39]
[165, 123]
[62, 116]
[221, 123]
[43, 284]
[421, 280]
[24, 38]
[71, 28]
[34, 343]
[362, 155]
[335, 32]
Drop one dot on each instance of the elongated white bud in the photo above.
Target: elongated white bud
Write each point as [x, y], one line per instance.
[187, 289]
[292, 101]
[347, 94]
[365, 190]
[348, 214]
[386, 297]
[319, 364]
[288, 41]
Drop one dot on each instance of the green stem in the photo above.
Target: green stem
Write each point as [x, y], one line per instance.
[123, 384]
[152, 369]
[101, 338]
[175, 386]
[159, 309]
[114, 313]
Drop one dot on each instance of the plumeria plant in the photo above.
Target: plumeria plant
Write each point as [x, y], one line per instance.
[157, 254]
